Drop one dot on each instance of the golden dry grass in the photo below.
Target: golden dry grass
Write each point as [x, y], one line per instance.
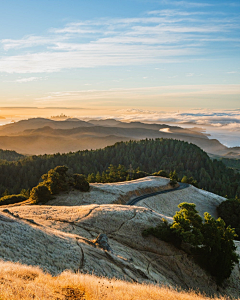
[25, 282]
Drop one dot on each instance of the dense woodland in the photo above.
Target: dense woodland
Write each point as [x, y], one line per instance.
[232, 163]
[10, 155]
[146, 155]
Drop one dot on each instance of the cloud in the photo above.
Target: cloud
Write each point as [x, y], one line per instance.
[31, 41]
[187, 4]
[214, 120]
[165, 36]
[26, 79]
[191, 4]
[159, 92]
[29, 79]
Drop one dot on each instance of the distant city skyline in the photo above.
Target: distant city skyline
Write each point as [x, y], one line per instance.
[135, 54]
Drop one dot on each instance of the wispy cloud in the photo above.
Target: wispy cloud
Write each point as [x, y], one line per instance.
[164, 36]
[26, 79]
[29, 79]
[31, 42]
[164, 92]
[188, 4]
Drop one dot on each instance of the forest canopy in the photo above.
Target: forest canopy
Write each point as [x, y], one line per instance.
[147, 156]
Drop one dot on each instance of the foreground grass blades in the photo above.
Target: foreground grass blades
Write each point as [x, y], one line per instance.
[25, 282]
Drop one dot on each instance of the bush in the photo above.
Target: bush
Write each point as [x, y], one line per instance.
[40, 193]
[11, 199]
[139, 174]
[173, 178]
[161, 173]
[80, 182]
[212, 241]
[218, 254]
[189, 180]
[164, 232]
[229, 211]
[56, 180]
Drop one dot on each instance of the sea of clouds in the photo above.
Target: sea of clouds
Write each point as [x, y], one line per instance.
[223, 125]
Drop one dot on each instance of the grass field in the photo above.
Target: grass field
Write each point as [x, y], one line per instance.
[25, 282]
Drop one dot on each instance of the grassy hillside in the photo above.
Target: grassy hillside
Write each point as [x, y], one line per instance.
[26, 282]
[149, 155]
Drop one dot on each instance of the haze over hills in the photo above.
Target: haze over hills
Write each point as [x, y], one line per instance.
[45, 136]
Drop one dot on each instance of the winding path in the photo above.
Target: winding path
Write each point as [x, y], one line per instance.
[139, 198]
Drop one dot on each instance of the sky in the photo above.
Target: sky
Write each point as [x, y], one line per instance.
[138, 54]
[149, 60]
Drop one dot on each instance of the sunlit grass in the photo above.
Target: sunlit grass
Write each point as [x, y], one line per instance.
[25, 282]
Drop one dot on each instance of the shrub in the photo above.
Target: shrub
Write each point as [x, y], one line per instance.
[161, 173]
[56, 180]
[164, 232]
[173, 178]
[189, 180]
[25, 192]
[80, 182]
[212, 241]
[139, 174]
[40, 193]
[11, 199]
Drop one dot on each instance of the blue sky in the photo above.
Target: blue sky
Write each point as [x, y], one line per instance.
[131, 54]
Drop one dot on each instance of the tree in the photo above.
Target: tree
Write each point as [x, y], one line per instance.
[187, 224]
[211, 241]
[10, 199]
[173, 178]
[229, 211]
[25, 193]
[189, 180]
[40, 193]
[161, 173]
[91, 178]
[56, 179]
[218, 251]
[6, 193]
[80, 182]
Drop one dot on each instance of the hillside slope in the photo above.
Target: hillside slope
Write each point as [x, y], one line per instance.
[26, 282]
[167, 204]
[122, 192]
[59, 238]
[112, 193]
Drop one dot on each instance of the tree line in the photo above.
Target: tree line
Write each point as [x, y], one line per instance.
[147, 156]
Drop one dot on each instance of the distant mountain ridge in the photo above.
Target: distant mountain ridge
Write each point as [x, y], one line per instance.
[44, 136]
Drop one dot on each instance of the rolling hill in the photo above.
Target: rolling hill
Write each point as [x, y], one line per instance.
[43, 136]
[63, 237]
